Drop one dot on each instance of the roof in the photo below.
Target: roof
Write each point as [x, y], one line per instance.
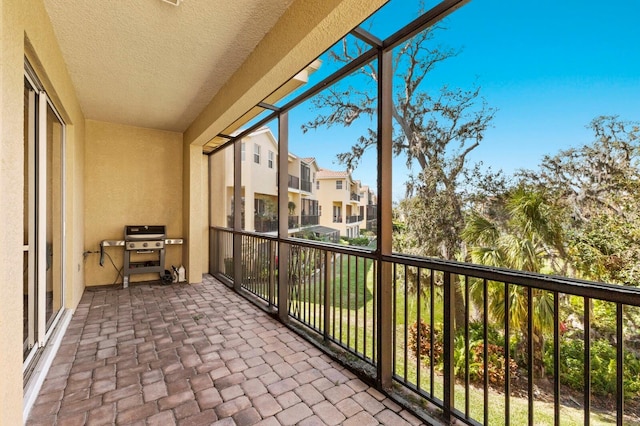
[328, 174]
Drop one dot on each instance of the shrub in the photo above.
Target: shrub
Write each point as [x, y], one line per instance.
[496, 364]
[423, 348]
[603, 367]
[495, 352]
[355, 241]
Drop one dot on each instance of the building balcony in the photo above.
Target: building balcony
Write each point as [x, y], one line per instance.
[230, 221]
[354, 197]
[310, 220]
[482, 366]
[353, 219]
[372, 225]
[294, 182]
[271, 225]
[337, 219]
[306, 185]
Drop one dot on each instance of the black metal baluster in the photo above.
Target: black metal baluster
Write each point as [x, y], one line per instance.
[556, 358]
[619, 366]
[587, 361]
[530, 355]
[507, 356]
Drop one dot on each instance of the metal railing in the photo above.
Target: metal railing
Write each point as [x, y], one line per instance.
[353, 219]
[310, 220]
[293, 222]
[355, 197]
[478, 345]
[294, 182]
[262, 224]
[337, 219]
[271, 225]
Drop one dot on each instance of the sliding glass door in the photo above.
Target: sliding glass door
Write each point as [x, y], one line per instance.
[43, 215]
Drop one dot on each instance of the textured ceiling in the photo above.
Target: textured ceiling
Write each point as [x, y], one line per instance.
[148, 63]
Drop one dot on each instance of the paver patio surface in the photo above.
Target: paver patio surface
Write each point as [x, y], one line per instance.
[196, 355]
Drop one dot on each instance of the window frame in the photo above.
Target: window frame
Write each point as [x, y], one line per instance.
[256, 153]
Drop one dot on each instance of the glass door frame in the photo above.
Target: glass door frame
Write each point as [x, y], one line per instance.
[36, 246]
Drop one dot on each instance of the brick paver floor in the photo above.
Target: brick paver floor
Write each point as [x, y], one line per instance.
[196, 355]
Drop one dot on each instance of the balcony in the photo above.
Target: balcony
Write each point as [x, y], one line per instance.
[354, 197]
[372, 212]
[481, 370]
[337, 219]
[310, 220]
[194, 354]
[294, 222]
[306, 185]
[271, 225]
[353, 219]
[294, 182]
[230, 221]
[262, 224]
[372, 225]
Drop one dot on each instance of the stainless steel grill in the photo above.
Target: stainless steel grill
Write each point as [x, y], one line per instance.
[144, 250]
[143, 239]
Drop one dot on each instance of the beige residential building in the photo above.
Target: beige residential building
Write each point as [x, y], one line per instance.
[368, 208]
[326, 203]
[259, 164]
[339, 197]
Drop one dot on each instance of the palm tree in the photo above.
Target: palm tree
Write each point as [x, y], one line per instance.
[521, 231]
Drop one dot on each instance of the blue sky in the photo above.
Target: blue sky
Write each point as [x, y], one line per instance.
[548, 67]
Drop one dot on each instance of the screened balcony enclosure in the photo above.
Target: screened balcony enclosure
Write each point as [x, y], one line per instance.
[488, 294]
[434, 221]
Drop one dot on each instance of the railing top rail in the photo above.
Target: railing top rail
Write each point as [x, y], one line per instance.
[352, 250]
[597, 290]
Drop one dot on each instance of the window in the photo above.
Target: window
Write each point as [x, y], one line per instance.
[242, 151]
[259, 206]
[338, 184]
[256, 153]
[270, 159]
[317, 184]
[337, 214]
[305, 173]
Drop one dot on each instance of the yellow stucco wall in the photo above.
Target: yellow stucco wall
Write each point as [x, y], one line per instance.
[26, 31]
[133, 177]
[115, 173]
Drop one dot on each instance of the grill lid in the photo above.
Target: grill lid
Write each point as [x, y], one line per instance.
[144, 232]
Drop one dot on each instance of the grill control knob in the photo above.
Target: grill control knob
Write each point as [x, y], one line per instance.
[132, 245]
[144, 244]
[158, 244]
